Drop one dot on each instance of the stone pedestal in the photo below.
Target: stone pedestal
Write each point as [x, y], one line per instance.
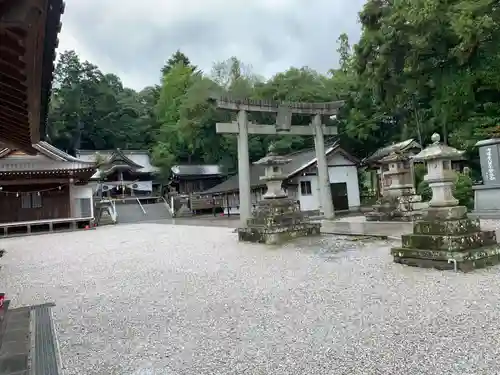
[486, 196]
[275, 221]
[105, 212]
[276, 218]
[446, 238]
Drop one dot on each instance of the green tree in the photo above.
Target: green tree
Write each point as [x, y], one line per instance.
[177, 58]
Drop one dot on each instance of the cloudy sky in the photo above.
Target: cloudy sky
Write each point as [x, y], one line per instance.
[133, 38]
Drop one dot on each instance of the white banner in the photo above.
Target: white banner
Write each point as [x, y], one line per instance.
[134, 185]
[141, 185]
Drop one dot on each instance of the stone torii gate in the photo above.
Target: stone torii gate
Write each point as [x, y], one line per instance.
[242, 127]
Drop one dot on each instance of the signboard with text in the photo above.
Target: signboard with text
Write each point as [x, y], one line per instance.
[490, 164]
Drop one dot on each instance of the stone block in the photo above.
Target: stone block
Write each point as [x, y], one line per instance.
[465, 260]
[277, 234]
[450, 243]
[449, 227]
[275, 221]
[11, 364]
[14, 347]
[445, 213]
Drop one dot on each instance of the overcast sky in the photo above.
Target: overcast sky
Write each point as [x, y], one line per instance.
[133, 38]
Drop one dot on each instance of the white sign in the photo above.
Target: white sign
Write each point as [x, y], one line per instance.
[489, 159]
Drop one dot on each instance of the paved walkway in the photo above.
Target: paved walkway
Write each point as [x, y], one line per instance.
[358, 226]
[375, 229]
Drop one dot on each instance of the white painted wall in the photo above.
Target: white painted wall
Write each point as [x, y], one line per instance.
[309, 202]
[77, 193]
[349, 175]
[340, 169]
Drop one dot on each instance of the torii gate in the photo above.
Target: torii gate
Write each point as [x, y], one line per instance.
[242, 127]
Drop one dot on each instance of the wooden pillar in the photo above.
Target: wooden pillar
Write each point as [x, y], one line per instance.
[71, 198]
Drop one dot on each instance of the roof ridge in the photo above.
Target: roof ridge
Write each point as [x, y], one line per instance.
[119, 153]
[47, 147]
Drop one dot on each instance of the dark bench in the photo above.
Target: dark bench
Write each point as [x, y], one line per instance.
[27, 341]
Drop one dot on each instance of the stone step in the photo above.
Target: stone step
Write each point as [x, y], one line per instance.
[448, 227]
[130, 213]
[449, 243]
[444, 260]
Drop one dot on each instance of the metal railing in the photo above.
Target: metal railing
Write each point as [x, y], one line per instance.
[170, 209]
[141, 206]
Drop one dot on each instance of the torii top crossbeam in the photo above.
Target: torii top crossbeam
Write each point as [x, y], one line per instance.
[232, 104]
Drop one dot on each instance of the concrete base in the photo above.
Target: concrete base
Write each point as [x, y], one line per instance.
[392, 212]
[401, 216]
[486, 202]
[278, 235]
[490, 214]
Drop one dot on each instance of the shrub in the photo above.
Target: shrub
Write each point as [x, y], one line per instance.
[463, 190]
[424, 190]
[420, 170]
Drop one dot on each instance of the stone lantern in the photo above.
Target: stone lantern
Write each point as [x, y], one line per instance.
[396, 175]
[273, 175]
[399, 201]
[446, 238]
[441, 177]
[276, 218]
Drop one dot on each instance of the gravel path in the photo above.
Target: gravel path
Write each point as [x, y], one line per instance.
[157, 299]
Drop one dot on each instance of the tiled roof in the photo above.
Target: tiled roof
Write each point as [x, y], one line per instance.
[50, 158]
[198, 170]
[139, 158]
[384, 151]
[44, 166]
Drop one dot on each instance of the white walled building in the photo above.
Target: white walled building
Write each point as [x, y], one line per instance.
[302, 181]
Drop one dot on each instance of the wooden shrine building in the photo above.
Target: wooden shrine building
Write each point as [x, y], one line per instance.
[42, 190]
[123, 173]
[189, 179]
[36, 182]
[28, 40]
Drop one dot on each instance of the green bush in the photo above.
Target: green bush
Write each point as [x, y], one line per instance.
[462, 190]
[420, 170]
[424, 190]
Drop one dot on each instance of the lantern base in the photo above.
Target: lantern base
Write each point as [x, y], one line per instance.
[465, 262]
[275, 221]
[457, 243]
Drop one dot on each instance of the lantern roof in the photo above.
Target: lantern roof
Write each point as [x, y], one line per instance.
[438, 151]
[393, 157]
[272, 158]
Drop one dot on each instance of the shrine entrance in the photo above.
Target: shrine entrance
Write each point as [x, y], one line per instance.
[283, 126]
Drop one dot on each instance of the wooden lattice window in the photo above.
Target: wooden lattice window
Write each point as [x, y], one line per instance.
[31, 200]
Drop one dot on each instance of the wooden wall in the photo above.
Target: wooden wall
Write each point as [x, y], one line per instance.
[53, 204]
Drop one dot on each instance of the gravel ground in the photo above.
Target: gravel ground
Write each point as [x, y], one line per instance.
[156, 299]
